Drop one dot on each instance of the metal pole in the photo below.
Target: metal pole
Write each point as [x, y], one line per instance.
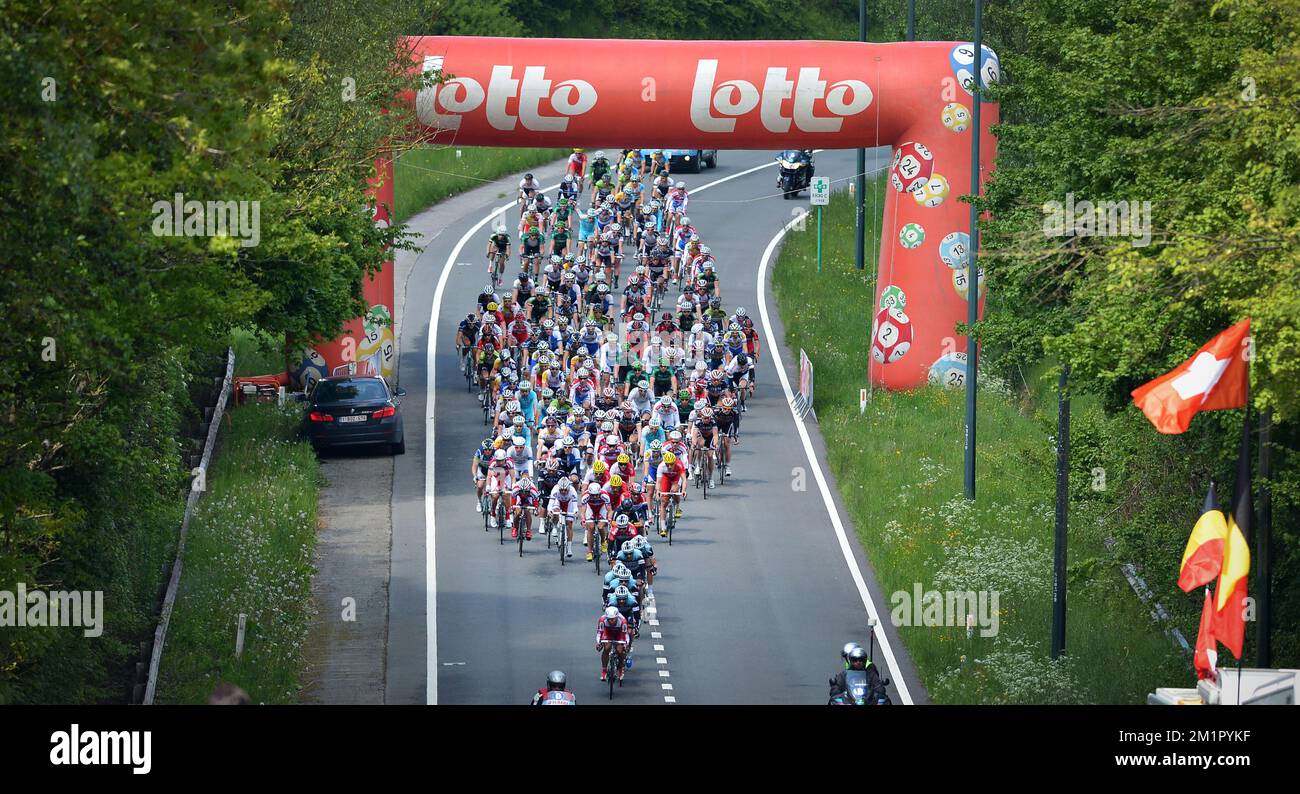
[911, 20]
[972, 268]
[861, 181]
[1263, 539]
[1062, 510]
[819, 239]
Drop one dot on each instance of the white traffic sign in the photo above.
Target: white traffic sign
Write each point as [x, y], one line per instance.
[821, 190]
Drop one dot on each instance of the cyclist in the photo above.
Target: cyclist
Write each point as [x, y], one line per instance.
[556, 692]
[704, 430]
[622, 599]
[569, 188]
[563, 507]
[530, 250]
[599, 166]
[525, 498]
[651, 567]
[670, 485]
[612, 634]
[528, 187]
[595, 513]
[577, 166]
[478, 470]
[727, 417]
[498, 253]
[500, 481]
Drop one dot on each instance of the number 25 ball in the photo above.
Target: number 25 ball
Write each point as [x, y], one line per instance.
[891, 336]
[933, 192]
[912, 166]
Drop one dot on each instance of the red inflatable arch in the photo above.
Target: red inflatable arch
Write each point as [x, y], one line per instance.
[772, 95]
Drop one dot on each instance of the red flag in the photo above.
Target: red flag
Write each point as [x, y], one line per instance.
[1207, 653]
[1213, 379]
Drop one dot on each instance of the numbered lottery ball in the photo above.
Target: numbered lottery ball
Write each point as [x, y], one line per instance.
[959, 282]
[912, 166]
[891, 336]
[954, 250]
[311, 368]
[949, 370]
[933, 192]
[911, 235]
[893, 298]
[962, 60]
[956, 117]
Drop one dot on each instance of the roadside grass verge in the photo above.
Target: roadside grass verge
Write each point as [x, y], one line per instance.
[899, 466]
[430, 174]
[249, 550]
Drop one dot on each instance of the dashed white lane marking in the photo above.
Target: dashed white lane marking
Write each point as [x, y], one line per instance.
[664, 674]
[838, 525]
[668, 688]
[659, 648]
[661, 659]
[654, 635]
[669, 699]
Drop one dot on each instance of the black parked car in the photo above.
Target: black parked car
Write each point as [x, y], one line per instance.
[350, 410]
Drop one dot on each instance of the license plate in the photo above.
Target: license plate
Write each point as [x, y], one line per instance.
[358, 418]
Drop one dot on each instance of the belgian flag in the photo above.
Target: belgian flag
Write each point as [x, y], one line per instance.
[1230, 594]
[1203, 557]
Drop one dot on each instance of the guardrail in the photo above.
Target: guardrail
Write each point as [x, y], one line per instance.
[197, 486]
[803, 399]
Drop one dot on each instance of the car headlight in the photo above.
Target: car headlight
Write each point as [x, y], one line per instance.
[687, 157]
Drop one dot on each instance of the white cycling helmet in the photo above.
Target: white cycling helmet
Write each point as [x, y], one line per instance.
[680, 184]
[593, 489]
[500, 454]
[627, 544]
[685, 220]
[611, 615]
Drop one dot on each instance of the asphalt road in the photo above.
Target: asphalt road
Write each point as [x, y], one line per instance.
[755, 596]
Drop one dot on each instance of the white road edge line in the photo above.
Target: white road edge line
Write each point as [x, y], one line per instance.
[772, 345]
[431, 396]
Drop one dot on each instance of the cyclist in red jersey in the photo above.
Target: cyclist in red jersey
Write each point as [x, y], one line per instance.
[612, 633]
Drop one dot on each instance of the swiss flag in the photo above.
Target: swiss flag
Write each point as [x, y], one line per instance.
[1213, 379]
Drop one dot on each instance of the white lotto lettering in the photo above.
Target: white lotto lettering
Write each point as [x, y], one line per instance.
[732, 98]
[443, 106]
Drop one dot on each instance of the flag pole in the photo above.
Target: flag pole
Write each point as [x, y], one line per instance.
[1062, 510]
[1263, 540]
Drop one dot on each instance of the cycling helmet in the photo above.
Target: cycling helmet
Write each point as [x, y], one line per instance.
[487, 288]
[616, 481]
[685, 220]
[500, 454]
[624, 458]
[599, 467]
[492, 306]
[556, 681]
[526, 385]
[611, 616]
[657, 443]
[621, 593]
[593, 488]
[556, 259]
[740, 311]
[670, 458]
[627, 544]
[701, 404]
[676, 435]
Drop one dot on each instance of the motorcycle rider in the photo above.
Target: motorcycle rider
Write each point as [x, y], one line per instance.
[857, 660]
[556, 692]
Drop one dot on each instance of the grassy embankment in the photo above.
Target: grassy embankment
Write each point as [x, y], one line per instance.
[899, 467]
[428, 175]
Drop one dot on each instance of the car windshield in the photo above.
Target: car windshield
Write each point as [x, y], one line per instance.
[330, 391]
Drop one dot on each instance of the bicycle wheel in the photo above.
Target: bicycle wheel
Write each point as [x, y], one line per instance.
[487, 511]
[501, 521]
[519, 532]
[706, 473]
[672, 519]
[595, 548]
[561, 530]
[611, 670]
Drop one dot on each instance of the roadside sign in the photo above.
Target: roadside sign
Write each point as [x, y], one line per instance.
[862, 401]
[821, 191]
